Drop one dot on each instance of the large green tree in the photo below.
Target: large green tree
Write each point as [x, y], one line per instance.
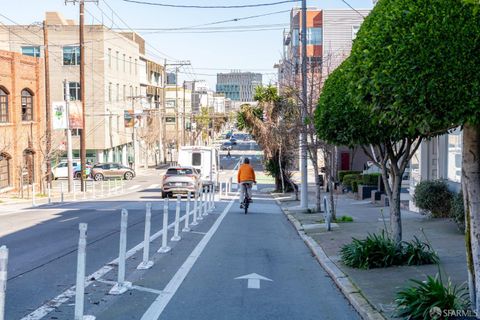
[414, 73]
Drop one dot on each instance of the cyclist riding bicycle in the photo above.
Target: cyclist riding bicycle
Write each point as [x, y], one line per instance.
[246, 177]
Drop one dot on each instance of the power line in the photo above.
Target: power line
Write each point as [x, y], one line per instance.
[348, 4]
[210, 7]
[215, 28]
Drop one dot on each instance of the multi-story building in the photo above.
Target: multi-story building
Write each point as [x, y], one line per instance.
[178, 113]
[112, 75]
[238, 86]
[22, 121]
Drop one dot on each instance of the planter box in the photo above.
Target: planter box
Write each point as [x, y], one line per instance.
[376, 196]
[365, 192]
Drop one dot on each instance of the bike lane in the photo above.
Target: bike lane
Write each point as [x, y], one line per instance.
[259, 245]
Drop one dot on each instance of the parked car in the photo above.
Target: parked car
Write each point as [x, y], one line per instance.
[226, 146]
[102, 171]
[61, 170]
[180, 180]
[233, 141]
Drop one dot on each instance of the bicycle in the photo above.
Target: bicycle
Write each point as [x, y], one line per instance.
[246, 199]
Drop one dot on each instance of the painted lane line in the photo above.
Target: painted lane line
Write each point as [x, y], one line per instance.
[153, 186]
[138, 288]
[198, 232]
[157, 307]
[56, 302]
[134, 187]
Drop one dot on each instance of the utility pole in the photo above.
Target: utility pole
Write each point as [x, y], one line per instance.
[48, 120]
[69, 137]
[303, 135]
[162, 114]
[83, 151]
[184, 114]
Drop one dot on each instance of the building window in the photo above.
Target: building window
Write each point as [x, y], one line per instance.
[136, 66]
[118, 92]
[71, 56]
[28, 165]
[295, 37]
[124, 63]
[117, 59]
[109, 58]
[170, 103]
[124, 93]
[354, 31]
[27, 105]
[110, 92]
[32, 51]
[131, 92]
[74, 91]
[170, 119]
[3, 106]
[455, 156]
[314, 36]
[130, 65]
[76, 132]
[4, 170]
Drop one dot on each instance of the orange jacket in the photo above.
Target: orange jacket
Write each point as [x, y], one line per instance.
[245, 173]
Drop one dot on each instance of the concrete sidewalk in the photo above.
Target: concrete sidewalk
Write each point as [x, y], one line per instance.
[442, 234]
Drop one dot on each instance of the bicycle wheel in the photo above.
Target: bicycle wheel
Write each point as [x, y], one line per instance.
[245, 205]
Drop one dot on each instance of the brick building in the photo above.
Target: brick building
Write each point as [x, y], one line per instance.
[22, 120]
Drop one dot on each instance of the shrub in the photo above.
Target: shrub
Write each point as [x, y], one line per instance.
[344, 219]
[417, 301]
[351, 181]
[370, 179]
[380, 251]
[375, 251]
[417, 253]
[343, 173]
[457, 211]
[433, 197]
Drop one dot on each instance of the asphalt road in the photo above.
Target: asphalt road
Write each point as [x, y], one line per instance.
[42, 265]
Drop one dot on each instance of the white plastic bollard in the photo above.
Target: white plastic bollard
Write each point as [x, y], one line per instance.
[231, 183]
[123, 186]
[176, 237]
[205, 203]
[122, 286]
[187, 214]
[200, 207]
[80, 286]
[146, 264]
[74, 191]
[165, 248]
[33, 195]
[84, 190]
[195, 208]
[115, 191]
[61, 192]
[3, 279]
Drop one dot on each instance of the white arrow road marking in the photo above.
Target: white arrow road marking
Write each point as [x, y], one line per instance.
[253, 280]
[134, 187]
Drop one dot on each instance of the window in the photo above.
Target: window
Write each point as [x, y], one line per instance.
[124, 63]
[131, 92]
[295, 37]
[170, 103]
[32, 51]
[74, 91]
[4, 170]
[179, 171]
[109, 57]
[71, 56]
[314, 36]
[170, 119]
[454, 172]
[110, 92]
[130, 65]
[27, 105]
[118, 92]
[124, 93]
[196, 159]
[117, 59]
[3, 106]
[354, 31]
[136, 67]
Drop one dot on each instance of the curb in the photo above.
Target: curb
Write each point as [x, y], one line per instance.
[343, 282]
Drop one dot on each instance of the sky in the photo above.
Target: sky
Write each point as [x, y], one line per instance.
[209, 51]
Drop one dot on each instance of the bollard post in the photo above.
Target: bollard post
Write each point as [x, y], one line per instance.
[123, 186]
[146, 264]
[49, 194]
[176, 237]
[187, 214]
[122, 286]
[84, 190]
[115, 191]
[212, 198]
[195, 208]
[165, 248]
[61, 192]
[205, 203]
[80, 285]
[3, 279]
[33, 195]
[200, 207]
[74, 191]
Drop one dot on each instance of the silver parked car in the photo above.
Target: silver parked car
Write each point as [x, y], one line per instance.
[180, 180]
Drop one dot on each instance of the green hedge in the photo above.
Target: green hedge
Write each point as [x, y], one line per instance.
[434, 197]
[457, 211]
[351, 181]
[343, 173]
[370, 179]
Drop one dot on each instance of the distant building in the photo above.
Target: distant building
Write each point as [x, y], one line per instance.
[22, 121]
[238, 86]
[171, 78]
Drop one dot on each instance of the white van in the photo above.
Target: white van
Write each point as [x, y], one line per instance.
[204, 159]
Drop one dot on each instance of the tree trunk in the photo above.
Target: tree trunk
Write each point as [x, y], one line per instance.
[471, 187]
[395, 213]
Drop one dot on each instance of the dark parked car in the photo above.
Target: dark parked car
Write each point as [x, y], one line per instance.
[102, 171]
[226, 146]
